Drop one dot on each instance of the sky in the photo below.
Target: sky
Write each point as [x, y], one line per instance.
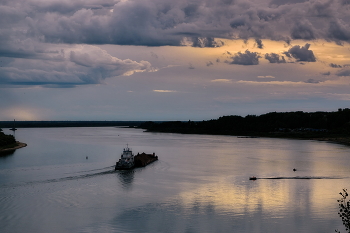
[172, 60]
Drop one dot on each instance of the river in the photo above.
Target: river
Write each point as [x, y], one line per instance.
[64, 181]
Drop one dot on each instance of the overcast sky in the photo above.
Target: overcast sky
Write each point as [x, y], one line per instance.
[172, 60]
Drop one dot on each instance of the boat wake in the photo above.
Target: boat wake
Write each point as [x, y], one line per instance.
[88, 175]
[77, 176]
[299, 178]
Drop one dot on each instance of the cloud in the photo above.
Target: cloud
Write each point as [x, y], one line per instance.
[339, 31]
[312, 81]
[280, 83]
[267, 76]
[206, 42]
[154, 55]
[338, 96]
[340, 82]
[301, 53]
[49, 33]
[209, 63]
[246, 58]
[343, 72]
[284, 2]
[303, 30]
[321, 8]
[70, 66]
[259, 43]
[221, 80]
[167, 22]
[274, 58]
[345, 2]
[335, 65]
[326, 73]
[164, 91]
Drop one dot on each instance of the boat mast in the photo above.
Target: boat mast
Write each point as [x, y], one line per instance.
[14, 125]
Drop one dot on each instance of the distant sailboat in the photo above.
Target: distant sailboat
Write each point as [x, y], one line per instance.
[14, 123]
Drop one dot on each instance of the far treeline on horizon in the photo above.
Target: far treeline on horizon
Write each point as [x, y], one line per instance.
[292, 123]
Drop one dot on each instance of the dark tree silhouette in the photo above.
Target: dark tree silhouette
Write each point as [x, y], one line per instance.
[6, 140]
[294, 124]
[344, 210]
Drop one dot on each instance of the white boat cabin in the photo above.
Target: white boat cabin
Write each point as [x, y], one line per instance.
[127, 153]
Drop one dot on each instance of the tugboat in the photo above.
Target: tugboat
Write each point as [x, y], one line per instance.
[126, 160]
[129, 161]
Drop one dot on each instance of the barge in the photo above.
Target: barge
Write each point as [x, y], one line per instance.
[129, 161]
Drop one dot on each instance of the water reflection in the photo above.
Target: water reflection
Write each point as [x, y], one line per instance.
[4, 154]
[234, 206]
[200, 184]
[126, 178]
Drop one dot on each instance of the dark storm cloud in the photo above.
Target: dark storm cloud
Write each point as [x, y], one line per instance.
[303, 31]
[321, 8]
[167, 22]
[68, 7]
[30, 28]
[259, 43]
[246, 58]
[274, 58]
[345, 2]
[301, 53]
[238, 22]
[206, 42]
[339, 31]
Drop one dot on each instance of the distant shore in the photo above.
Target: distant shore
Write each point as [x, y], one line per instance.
[332, 138]
[341, 140]
[14, 147]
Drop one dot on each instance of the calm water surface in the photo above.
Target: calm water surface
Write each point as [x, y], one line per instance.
[200, 184]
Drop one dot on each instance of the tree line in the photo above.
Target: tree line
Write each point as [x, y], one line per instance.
[6, 140]
[297, 123]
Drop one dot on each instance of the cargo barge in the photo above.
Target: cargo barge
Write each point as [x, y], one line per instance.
[129, 161]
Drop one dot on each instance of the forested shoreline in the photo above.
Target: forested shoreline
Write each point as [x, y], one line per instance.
[329, 126]
[308, 125]
[7, 141]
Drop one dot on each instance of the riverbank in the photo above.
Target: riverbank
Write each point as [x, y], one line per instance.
[340, 140]
[13, 147]
[343, 139]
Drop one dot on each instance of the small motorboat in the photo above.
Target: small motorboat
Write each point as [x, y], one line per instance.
[252, 178]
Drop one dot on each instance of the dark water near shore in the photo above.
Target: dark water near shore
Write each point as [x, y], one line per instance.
[200, 184]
